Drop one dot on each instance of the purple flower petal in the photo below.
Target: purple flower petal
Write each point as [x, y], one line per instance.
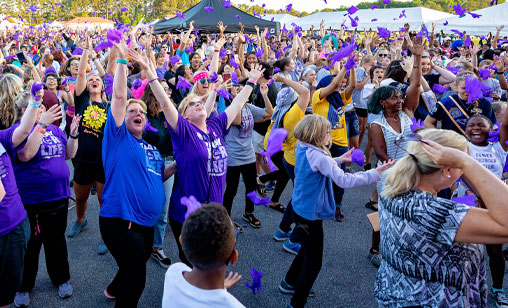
[253, 196]
[256, 281]
[274, 144]
[191, 203]
[357, 157]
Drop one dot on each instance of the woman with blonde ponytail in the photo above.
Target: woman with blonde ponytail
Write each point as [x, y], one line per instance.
[10, 86]
[431, 247]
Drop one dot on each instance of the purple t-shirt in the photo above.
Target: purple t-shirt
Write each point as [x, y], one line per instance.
[12, 212]
[45, 177]
[196, 165]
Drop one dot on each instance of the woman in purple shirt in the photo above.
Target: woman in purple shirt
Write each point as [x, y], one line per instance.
[198, 145]
[14, 227]
[45, 200]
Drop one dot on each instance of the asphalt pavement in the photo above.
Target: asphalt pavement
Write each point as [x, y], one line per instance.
[346, 278]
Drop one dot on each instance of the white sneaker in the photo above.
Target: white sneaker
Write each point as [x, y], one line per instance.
[500, 298]
[22, 299]
[160, 257]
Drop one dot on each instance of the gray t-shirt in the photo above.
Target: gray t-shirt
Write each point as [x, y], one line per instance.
[239, 138]
[358, 101]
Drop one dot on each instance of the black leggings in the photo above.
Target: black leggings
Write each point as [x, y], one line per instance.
[48, 221]
[280, 175]
[131, 246]
[233, 178]
[497, 264]
[307, 264]
[176, 229]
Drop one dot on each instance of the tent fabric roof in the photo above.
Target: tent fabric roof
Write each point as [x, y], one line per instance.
[371, 19]
[492, 17]
[88, 20]
[282, 18]
[207, 22]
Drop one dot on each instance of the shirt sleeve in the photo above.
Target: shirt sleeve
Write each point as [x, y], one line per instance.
[219, 123]
[316, 100]
[257, 112]
[113, 134]
[437, 112]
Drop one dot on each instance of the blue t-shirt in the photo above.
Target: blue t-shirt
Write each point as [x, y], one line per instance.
[446, 123]
[184, 56]
[134, 171]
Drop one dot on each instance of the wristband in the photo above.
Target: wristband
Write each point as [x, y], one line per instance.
[123, 61]
[416, 67]
[35, 105]
[150, 81]
[250, 83]
[216, 50]
[74, 137]
[42, 125]
[40, 130]
[253, 81]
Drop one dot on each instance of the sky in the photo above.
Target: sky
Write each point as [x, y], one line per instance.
[301, 5]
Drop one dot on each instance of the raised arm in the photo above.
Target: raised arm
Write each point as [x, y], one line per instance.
[500, 73]
[494, 42]
[332, 87]
[31, 66]
[27, 121]
[119, 98]
[263, 89]
[83, 62]
[352, 84]
[72, 142]
[413, 91]
[185, 38]
[242, 97]
[34, 140]
[214, 66]
[301, 90]
[167, 106]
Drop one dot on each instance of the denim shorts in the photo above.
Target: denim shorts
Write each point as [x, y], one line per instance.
[352, 124]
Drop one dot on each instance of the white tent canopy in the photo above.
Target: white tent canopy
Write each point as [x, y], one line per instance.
[492, 17]
[371, 19]
[282, 18]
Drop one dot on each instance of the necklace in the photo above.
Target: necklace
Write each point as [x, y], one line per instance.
[394, 119]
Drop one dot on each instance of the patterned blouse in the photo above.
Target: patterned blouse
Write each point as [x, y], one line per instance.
[422, 265]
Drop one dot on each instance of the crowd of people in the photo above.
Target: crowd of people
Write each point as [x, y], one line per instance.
[160, 128]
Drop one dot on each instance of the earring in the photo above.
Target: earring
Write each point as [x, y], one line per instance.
[448, 176]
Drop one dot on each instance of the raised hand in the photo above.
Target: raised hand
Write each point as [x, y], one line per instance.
[141, 60]
[383, 166]
[218, 44]
[417, 48]
[444, 156]
[122, 50]
[51, 115]
[256, 71]
[263, 89]
[221, 27]
[75, 125]
[500, 28]
[231, 280]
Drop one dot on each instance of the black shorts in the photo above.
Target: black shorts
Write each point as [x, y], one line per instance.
[88, 173]
[12, 253]
[362, 113]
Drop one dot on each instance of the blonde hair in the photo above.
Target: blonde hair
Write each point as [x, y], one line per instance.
[185, 102]
[21, 102]
[407, 172]
[10, 86]
[136, 101]
[312, 129]
[367, 59]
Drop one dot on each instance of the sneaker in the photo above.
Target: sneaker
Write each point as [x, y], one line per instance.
[160, 257]
[94, 190]
[77, 228]
[101, 248]
[375, 258]
[291, 247]
[500, 297]
[286, 288]
[338, 215]
[22, 299]
[270, 187]
[65, 290]
[107, 294]
[281, 236]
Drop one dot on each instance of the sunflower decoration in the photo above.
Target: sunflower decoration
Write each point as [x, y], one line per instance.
[94, 116]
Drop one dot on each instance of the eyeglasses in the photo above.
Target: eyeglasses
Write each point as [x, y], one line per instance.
[74, 64]
[204, 80]
[164, 47]
[195, 103]
[409, 137]
[134, 111]
[51, 79]
[382, 55]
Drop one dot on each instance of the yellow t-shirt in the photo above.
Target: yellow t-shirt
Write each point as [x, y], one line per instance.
[292, 117]
[320, 107]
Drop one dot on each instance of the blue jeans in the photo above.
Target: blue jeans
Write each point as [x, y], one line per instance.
[288, 218]
[352, 124]
[338, 192]
[160, 225]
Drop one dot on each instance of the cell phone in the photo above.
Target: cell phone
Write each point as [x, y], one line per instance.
[21, 57]
[226, 76]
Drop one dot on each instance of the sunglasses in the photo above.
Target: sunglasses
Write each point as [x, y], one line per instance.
[382, 55]
[204, 80]
[195, 103]
[409, 137]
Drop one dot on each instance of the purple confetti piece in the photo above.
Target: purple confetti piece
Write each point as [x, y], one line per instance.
[256, 281]
[233, 63]
[457, 32]
[403, 14]
[374, 7]
[274, 144]
[467, 200]
[224, 93]
[213, 77]
[467, 42]
[484, 74]
[276, 70]
[288, 7]
[492, 2]
[50, 70]
[108, 84]
[103, 45]
[474, 89]
[494, 135]
[253, 196]
[191, 203]
[350, 63]
[114, 36]
[445, 23]
[386, 1]
[459, 10]
[278, 54]
[238, 17]
[180, 15]
[439, 88]
[357, 157]
[137, 83]
[383, 32]
[36, 87]
[223, 53]
[150, 128]
[183, 84]
[227, 4]
[353, 22]
[208, 9]
[259, 52]
[353, 9]
[416, 124]
[77, 52]
[174, 60]
[234, 77]
[474, 15]
[124, 9]
[374, 19]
